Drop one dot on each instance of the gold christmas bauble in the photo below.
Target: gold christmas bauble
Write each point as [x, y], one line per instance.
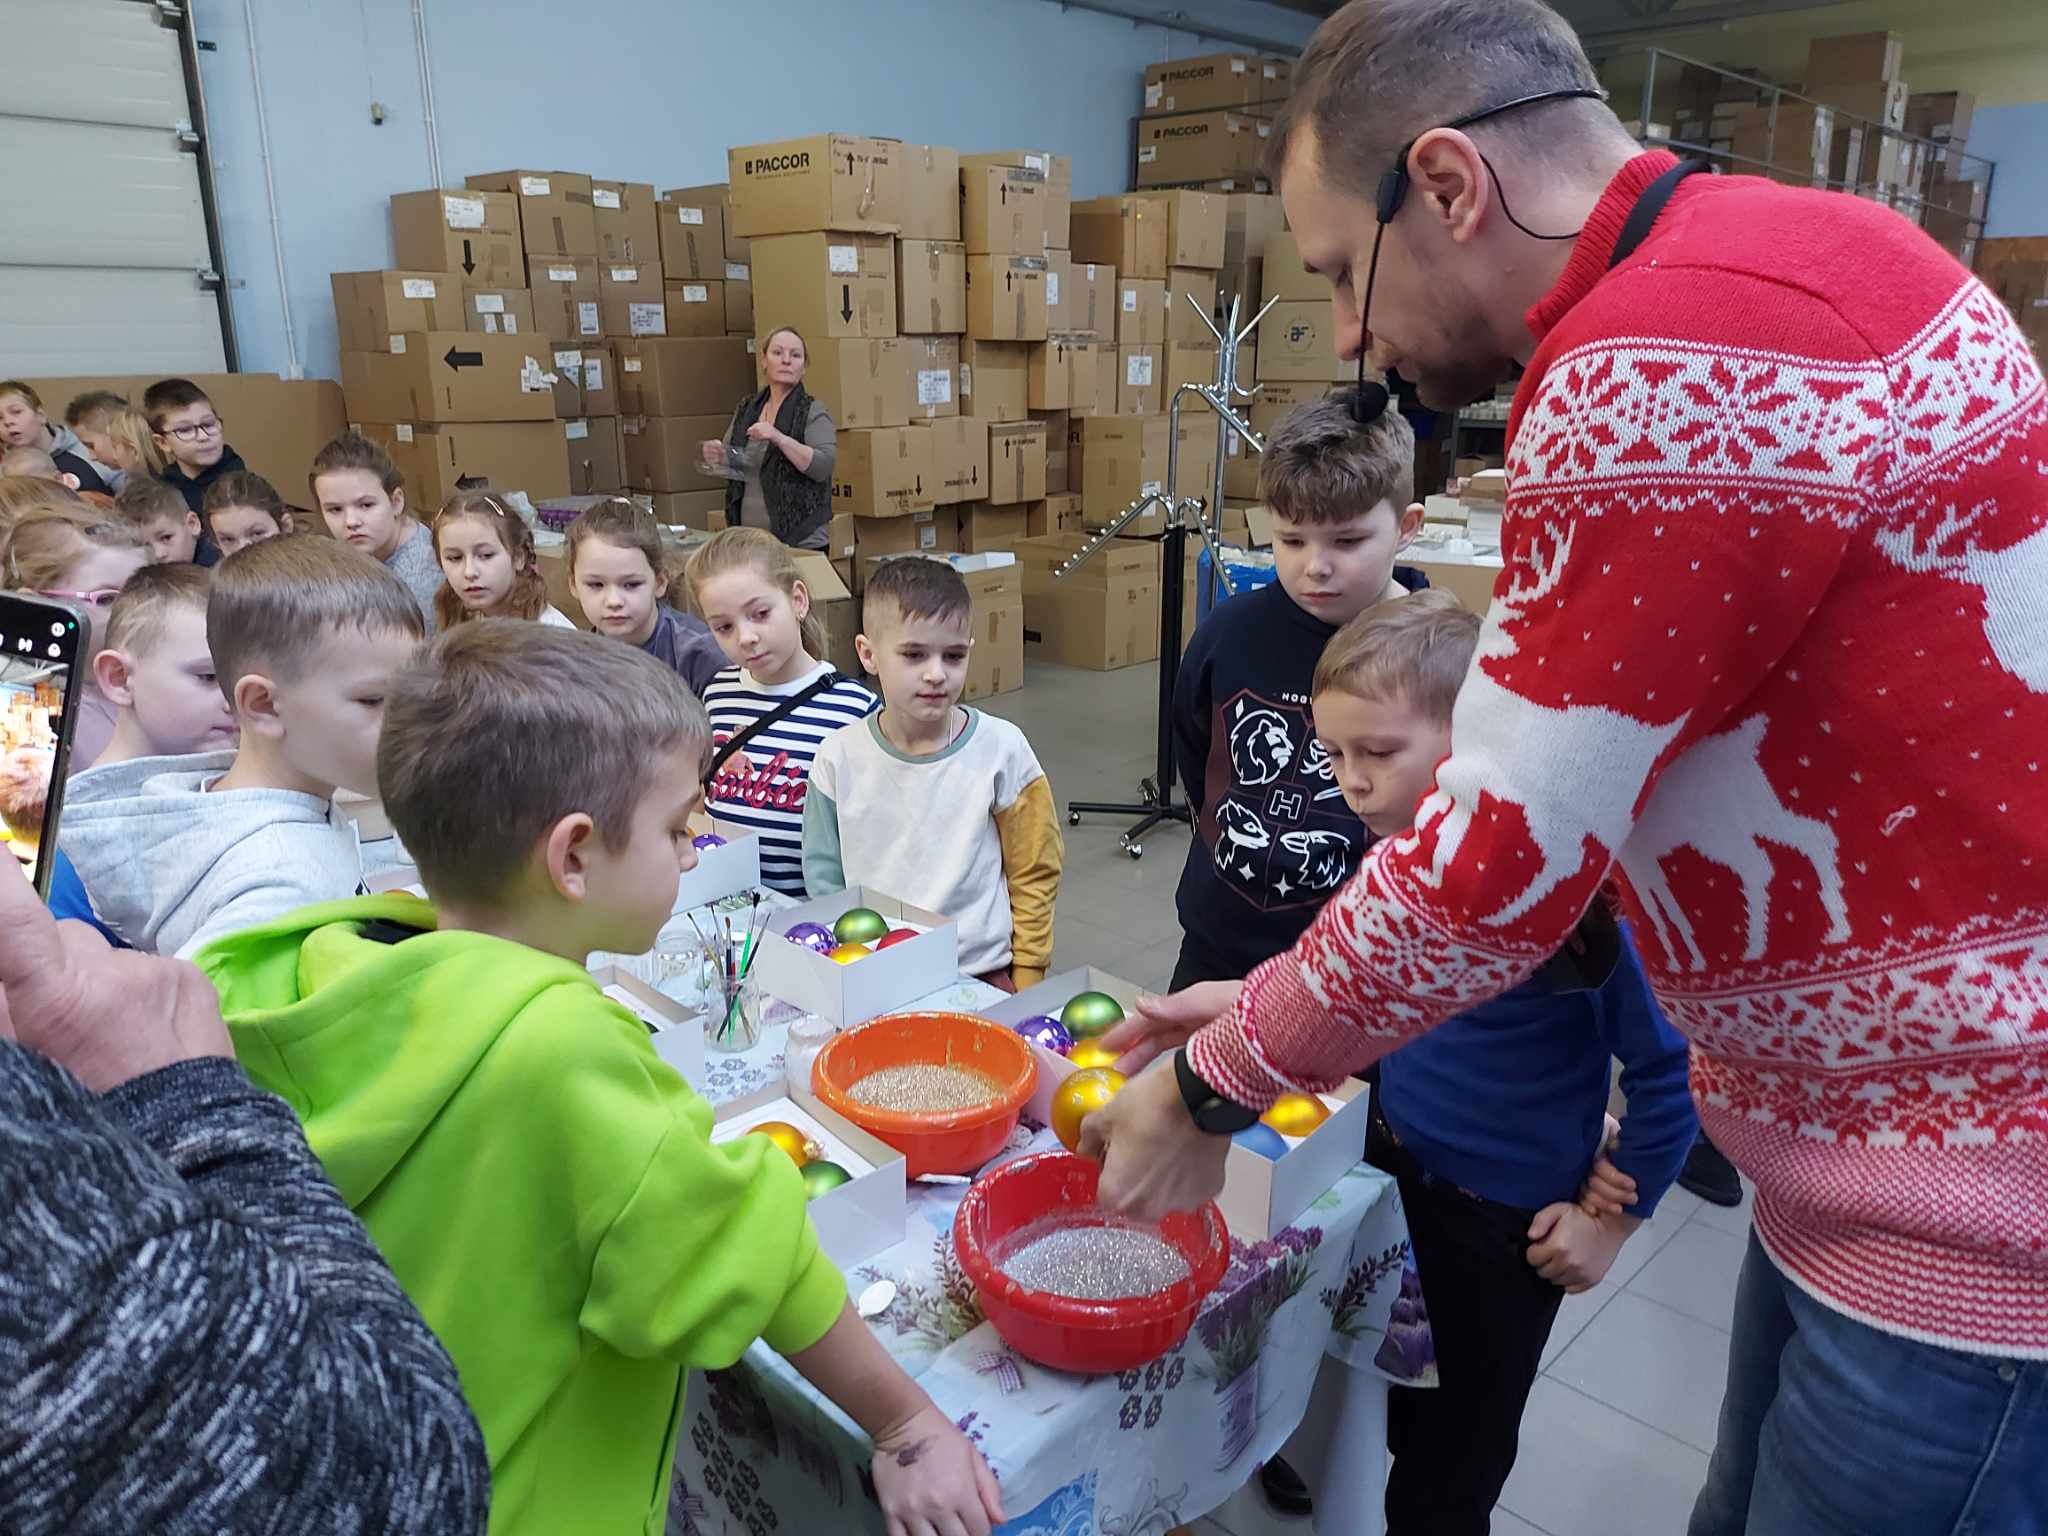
[1296, 1114]
[846, 954]
[1092, 1053]
[801, 1148]
[1078, 1098]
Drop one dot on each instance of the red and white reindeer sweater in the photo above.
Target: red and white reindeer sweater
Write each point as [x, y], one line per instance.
[1773, 641]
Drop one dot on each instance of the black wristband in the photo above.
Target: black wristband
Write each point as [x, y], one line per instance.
[1210, 1111]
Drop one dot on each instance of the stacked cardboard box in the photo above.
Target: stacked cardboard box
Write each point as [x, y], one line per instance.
[1296, 342]
[456, 405]
[1103, 615]
[706, 271]
[676, 393]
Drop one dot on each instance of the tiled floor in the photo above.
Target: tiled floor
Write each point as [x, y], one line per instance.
[1617, 1432]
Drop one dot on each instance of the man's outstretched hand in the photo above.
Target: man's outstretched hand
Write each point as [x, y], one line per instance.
[1154, 1158]
[105, 1014]
[1163, 1024]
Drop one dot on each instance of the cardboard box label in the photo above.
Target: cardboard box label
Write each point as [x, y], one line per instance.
[397, 343]
[575, 429]
[1052, 288]
[1147, 154]
[737, 272]
[586, 319]
[1138, 369]
[689, 215]
[625, 274]
[696, 293]
[419, 288]
[647, 319]
[535, 186]
[561, 274]
[1130, 297]
[629, 364]
[842, 259]
[604, 197]
[1155, 93]
[462, 212]
[934, 386]
[405, 432]
[593, 371]
[532, 377]
[571, 361]
[490, 304]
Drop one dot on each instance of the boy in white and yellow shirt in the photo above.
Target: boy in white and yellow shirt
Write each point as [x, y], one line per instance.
[934, 803]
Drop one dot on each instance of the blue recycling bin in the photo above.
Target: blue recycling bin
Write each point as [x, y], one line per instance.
[1247, 569]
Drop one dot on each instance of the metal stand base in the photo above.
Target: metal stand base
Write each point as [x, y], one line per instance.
[1150, 810]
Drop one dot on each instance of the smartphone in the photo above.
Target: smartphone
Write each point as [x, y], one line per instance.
[43, 644]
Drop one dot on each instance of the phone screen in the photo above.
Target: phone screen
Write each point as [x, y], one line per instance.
[40, 647]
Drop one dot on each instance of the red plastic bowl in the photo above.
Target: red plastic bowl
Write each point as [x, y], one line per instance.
[1090, 1337]
[931, 1141]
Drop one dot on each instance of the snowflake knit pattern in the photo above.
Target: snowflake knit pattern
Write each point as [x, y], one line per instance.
[1771, 645]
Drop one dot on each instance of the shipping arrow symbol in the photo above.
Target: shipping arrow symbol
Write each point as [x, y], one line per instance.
[456, 359]
[1005, 194]
[920, 486]
[849, 164]
[846, 301]
[468, 261]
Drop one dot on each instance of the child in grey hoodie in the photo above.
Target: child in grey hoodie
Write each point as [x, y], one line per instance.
[306, 635]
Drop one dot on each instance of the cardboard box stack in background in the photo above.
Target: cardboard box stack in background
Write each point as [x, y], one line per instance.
[1205, 122]
[674, 394]
[837, 224]
[706, 269]
[447, 372]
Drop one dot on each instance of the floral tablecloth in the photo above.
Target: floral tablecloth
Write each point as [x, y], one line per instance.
[1132, 1454]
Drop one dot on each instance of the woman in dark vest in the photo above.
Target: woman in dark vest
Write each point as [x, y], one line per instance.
[787, 443]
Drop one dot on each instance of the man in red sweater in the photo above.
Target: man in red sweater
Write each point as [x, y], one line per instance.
[1771, 648]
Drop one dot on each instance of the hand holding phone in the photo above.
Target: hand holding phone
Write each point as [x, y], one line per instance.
[43, 647]
[106, 1015]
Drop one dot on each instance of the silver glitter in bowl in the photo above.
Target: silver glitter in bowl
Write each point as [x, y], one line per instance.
[1095, 1263]
[924, 1086]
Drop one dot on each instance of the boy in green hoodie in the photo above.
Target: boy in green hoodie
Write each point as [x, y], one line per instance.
[543, 1185]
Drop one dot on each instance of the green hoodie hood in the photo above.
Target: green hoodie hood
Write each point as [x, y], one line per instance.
[542, 1184]
[309, 1002]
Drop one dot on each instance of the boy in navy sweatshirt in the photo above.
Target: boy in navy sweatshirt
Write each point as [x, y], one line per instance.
[1273, 837]
[1493, 1121]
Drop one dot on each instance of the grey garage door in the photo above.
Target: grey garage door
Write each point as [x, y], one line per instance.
[105, 266]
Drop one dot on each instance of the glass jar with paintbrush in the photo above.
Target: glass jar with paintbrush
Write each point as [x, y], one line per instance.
[730, 943]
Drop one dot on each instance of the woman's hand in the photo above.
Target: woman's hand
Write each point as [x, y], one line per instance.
[765, 432]
[714, 453]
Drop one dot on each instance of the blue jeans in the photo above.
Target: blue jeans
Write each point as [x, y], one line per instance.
[1831, 1428]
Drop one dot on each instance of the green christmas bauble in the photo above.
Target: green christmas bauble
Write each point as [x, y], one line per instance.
[1088, 1014]
[821, 1176]
[860, 925]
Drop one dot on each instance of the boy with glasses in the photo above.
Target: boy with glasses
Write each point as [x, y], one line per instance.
[194, 444]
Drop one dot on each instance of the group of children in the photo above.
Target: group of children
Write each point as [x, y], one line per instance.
[546, 782]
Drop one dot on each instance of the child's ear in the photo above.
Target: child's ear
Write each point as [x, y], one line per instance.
[256, 706]
[284, 522]
[398, 502]
[192, 523]
[1409, 526]
[866, 652]
[110, 674]
[566, 851]
[71, 481]
[800, 599]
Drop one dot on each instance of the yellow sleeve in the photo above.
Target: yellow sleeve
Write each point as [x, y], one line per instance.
[1029, 828]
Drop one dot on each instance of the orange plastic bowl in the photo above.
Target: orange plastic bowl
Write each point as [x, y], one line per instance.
[931, 1141]
[1090, 1337]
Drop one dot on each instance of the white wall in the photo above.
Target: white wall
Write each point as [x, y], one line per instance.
[637, 90]
[2015, 137]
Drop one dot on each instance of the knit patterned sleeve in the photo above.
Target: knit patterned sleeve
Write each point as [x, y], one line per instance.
[1676, 511]
[275, 1348]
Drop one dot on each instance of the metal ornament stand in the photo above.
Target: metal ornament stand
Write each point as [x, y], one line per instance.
[1157, 803]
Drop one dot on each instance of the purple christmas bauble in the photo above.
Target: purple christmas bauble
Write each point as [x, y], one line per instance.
[705, 840]
[1047, 1031]
[812, 936]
